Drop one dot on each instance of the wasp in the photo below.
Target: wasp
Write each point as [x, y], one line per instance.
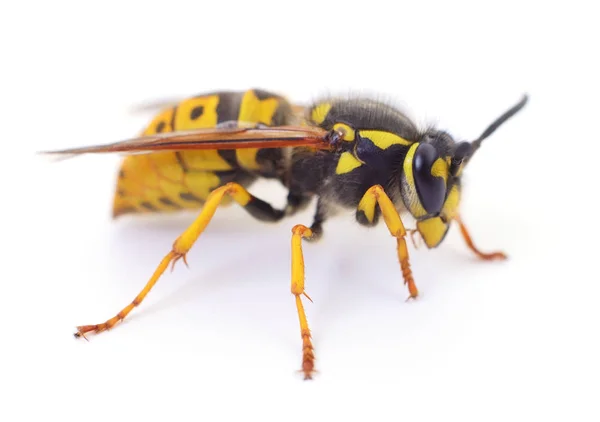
[349, 153]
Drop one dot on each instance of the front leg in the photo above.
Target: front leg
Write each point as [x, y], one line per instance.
[486, 256]
[368, 210]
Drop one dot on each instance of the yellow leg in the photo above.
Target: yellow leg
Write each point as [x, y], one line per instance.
[467, 237]
[308, 357]
[180, 248]
[376, 196]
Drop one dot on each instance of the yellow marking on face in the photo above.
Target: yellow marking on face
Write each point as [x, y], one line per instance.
[460, 169]
[432, 230]
[384, 140]
[450, 208]
[440, 169]
[448, 161]
[347, 163]
[320, 112]
[346, 130]
[415, 206]
[197, 113]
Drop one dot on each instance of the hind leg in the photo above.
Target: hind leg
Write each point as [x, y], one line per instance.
[255, 206]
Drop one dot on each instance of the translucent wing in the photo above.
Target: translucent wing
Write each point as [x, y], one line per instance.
[212, 138]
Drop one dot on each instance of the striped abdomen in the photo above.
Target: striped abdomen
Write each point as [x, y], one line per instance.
[170, 181]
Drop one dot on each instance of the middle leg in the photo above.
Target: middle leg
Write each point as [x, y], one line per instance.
[308, 357]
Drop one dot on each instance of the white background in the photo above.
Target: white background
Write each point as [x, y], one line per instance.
[516, 340]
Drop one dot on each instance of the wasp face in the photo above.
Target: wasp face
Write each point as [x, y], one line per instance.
[429, 175]
[430, 184]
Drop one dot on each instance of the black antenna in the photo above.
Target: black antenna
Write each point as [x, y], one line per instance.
[498, 122]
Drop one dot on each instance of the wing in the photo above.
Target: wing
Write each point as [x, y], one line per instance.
[212, 138]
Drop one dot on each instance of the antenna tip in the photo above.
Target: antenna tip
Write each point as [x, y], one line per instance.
[524, 99]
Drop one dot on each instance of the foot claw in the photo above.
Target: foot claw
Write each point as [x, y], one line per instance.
[80, 333]
[412, 289]
[95, 329]
[493, 256]
[501, 256]
[308, 373]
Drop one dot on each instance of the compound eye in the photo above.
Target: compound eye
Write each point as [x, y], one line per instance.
[430, 174]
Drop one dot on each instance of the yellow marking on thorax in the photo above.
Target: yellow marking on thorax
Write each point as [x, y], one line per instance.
[254, 110]
[320, 112]
[347, 163]
[348, 132]
[384, 140]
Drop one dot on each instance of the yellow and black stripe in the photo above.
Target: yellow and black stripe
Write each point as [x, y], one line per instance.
[171, 181]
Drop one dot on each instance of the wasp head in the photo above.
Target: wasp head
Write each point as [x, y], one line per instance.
[430, 181]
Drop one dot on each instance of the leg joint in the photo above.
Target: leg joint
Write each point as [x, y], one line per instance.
[301, 230]
[376, 190]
